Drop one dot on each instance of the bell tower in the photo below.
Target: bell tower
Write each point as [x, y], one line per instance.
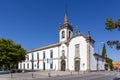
[65, 30]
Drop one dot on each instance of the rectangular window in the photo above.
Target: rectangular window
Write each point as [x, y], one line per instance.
[77, 50]
[24, 66]
[51, 53]
[97, 58]
[27, 57]
[43, 54]
[32, 56]
[51, 65]
[20, 66]
[102, 59]
[27, 65]
[37, 65]
[38, 56]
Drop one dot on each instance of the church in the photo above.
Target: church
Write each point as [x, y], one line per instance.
[71, 53]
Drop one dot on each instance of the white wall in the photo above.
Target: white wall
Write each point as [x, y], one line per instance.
[93, 62]
[57, 53]
[101, 63]
[47, 55]
[63, 47]
[83, 52]
[60, 35]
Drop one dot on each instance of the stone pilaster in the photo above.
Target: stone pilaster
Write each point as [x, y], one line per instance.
[58, 59]
[67, 56]
[88, 56]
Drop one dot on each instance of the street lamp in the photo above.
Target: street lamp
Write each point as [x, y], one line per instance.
[99, 50]
[84, 67]
[32, 62]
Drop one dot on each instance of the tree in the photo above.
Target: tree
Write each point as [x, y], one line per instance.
[10, 54]
[110, 62]
[115, 43]
[104, 51]
[110, 25]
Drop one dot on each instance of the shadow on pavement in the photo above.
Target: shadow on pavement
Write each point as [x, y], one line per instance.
[116, 79]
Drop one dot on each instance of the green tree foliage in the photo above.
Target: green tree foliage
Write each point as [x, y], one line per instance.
[115, 43]
[104, 51]
[110, 25]
[110, 62]
[10, 53]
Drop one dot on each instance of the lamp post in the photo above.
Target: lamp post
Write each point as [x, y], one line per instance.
[118, 65]
[71, 70]
[99, 48]
[11, 71]
[100, 52]
[32, 67]
[83, 67]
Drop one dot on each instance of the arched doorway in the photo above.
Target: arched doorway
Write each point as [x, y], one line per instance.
[63, 65]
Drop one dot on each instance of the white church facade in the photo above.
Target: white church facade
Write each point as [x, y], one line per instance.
[71, 53]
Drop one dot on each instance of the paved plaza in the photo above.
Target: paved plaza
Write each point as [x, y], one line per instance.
[38, 74]
[56, 75]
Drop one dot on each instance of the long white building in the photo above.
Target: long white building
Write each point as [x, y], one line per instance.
[72, 52]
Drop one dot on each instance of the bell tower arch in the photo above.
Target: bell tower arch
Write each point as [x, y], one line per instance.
[65, 30]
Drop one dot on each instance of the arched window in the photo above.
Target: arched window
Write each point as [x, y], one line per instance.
[63, 34]
[63, 53]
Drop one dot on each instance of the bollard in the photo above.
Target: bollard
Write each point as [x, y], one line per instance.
[71, 73]
[49, 75]
[84, 72]
[32, 75]
[78, 72]
[11, 75]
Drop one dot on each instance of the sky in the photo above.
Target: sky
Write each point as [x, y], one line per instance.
[35, 23]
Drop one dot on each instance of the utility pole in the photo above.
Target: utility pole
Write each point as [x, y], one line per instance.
[118, 65]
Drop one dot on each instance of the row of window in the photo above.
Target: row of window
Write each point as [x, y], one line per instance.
[51, 55]
[28, 66]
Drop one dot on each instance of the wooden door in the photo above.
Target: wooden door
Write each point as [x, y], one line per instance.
[63, 65]
[77, 65]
